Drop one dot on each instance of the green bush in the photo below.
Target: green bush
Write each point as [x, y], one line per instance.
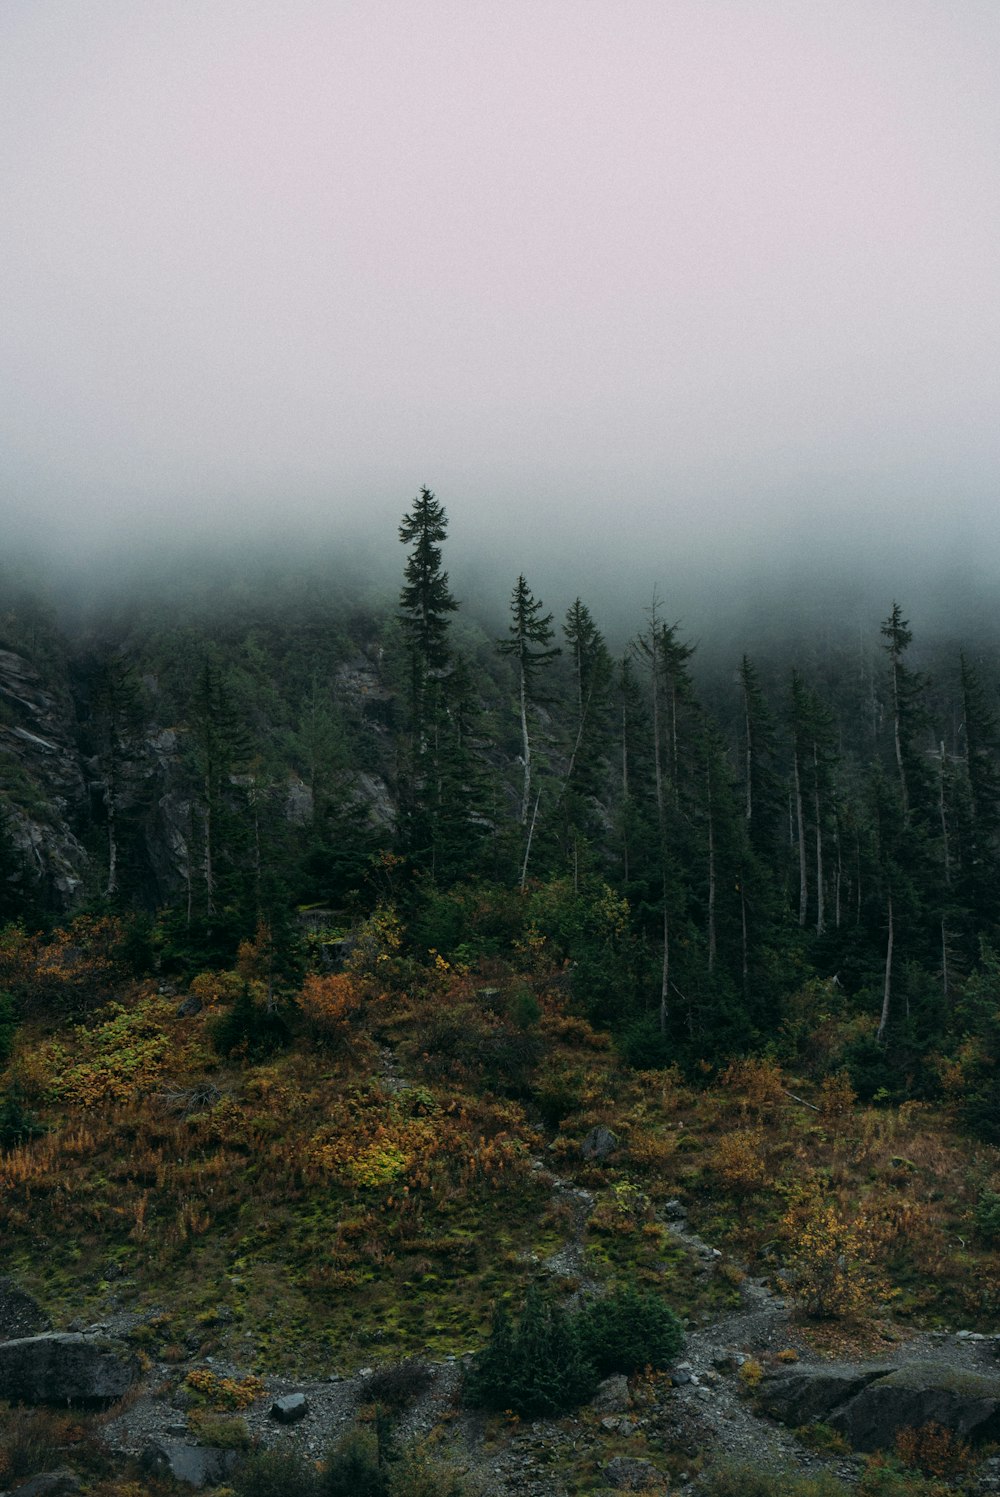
[17, 1123]
[987, 1216]
[358, 1466]
[249, 1029]
[750, 1479]
[8, 1026]
[627, 1330]
[536, 1368]
[276, 1473]
[419, 1473]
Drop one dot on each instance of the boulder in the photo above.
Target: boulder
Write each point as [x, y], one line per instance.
[20, 1314]
[869, 1405]
[290, 1409]
[967, 1403]
[629, 1474]
[195, 1465]
[599, 1143]
[59, 1483]
[809, 1395]
[612, 1396]
[87, 1372]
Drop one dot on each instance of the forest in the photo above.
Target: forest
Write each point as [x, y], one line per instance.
[332, 922]
[695, 853]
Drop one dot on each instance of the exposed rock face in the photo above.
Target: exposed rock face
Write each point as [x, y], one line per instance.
[599, 1143]
[42, 768]
[196, 1465]
[49, 1484]
[20, 1314]
[63, 1368]
[870, 1405]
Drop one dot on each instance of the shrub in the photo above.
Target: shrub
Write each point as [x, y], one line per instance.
[987, 1216]
[834, 1260]
[17, 1123]
[750, 1479]
[933, 1449]
[357, 1466]
[8, 1026]
[419, 1473]
[627, 1330]
[276, 1473]
[249, 1029]
[536, 1368]
[402, 1383]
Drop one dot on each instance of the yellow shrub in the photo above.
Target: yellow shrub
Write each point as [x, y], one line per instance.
[834, 1260]
[836, 1097]
[738, 1159]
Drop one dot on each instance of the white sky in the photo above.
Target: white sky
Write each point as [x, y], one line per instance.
[631, 280]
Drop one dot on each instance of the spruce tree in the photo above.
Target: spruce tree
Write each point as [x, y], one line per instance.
[530, 646]
[425, 601]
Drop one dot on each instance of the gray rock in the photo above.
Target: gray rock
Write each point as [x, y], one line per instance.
[804, 1395]
[196, 1465]
[968, 1403]
[629, 1474]
[673, 1211]
[612, 1396]
[59, 1483]
[290, 1409]
[188, 1007]
[869, 1405]
[599, 1143]
[20, 1314]
[60, 1368]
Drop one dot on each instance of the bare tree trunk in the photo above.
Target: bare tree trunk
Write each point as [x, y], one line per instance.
[943, 812]
[944, 959]
[838, 877]
[527, 845]
[897, 739]
[820, 916]
[887, 986]
[801, 825]
[711, 876]
[625, 791]
[749, 752]
[525, 749]
[665, 968]
[744, 939]
[207, 867]
[111, 800]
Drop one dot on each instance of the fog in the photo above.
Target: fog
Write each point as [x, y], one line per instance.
[701, 297]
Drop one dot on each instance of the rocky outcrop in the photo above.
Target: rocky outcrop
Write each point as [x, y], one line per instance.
[43, 777]
[63, 1368]
[195, 1465]
[20, 1314]
[59, 1483]
[870, 1405]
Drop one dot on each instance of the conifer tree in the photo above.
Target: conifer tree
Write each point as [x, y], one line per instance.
[425, 601]
[530, 646]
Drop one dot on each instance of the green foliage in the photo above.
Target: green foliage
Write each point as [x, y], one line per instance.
[356, 1467]
[627, 1330]
[751, 1479]
[250, 1029]
[987, 1216]
[18, 1123]
[536, 1368]
[8, 1026]
[276, 1473]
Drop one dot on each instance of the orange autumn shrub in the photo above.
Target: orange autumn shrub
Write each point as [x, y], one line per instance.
[329, 1003]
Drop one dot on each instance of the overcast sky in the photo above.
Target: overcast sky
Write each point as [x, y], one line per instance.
[661, 280]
